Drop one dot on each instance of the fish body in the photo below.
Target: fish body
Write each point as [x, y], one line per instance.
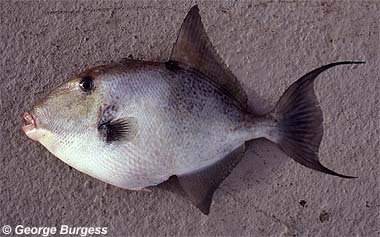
[181, 124]
[184, 123]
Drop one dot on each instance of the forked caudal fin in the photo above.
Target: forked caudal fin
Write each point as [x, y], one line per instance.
[299, 121]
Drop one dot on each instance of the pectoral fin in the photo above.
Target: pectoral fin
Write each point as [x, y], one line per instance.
[118, 130]
[199, 186]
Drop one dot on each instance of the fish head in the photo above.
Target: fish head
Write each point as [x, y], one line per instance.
[68, 113]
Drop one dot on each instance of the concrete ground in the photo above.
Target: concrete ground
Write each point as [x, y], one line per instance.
[268, 45]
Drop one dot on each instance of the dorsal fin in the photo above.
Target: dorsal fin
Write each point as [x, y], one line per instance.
[199, 186]
[194, 49]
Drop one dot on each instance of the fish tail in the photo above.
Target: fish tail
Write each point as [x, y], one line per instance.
[298, 121]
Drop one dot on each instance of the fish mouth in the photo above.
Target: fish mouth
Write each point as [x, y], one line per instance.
[29, 125]
[33, 130]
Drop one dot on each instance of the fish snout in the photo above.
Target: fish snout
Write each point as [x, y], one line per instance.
[29, 122]
[30, 126]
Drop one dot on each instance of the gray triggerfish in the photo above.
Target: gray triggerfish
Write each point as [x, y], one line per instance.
[179, 125]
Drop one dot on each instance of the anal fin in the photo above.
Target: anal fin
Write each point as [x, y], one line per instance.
[199, 186]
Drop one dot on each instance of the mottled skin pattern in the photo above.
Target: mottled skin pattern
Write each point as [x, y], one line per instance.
[184, 123]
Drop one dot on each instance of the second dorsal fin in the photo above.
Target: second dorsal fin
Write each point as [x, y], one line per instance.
[194, 49]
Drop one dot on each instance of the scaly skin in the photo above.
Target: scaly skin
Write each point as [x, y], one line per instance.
[185, 123]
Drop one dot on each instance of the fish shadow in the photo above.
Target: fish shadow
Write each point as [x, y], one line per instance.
[261, 161]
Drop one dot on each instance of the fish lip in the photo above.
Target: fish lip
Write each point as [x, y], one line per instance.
[29, 123]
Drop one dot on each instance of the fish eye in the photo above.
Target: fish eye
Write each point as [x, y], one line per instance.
[86, 84]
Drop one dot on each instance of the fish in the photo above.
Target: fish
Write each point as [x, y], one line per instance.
[179, 125]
